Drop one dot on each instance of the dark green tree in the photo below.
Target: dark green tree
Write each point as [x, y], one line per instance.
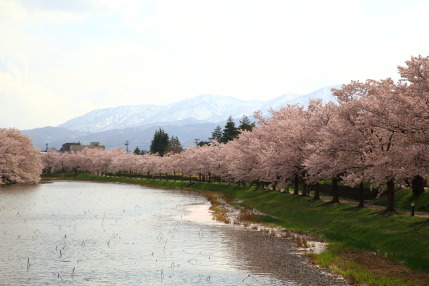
[137, 151]
[202, 143]
[245, 124]
[230, 132]
[174, 145]
[160, 142]
[216, 134]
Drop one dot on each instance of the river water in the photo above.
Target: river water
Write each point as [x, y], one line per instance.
[84, 233]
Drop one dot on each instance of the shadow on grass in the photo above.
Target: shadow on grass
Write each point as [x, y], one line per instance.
[330, 203]
[353, 208]
[386, 213]
[425, 222]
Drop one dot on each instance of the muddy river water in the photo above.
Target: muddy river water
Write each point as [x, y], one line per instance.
[84, 233]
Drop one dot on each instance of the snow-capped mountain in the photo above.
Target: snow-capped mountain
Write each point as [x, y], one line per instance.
[190, 120]
[199, 109]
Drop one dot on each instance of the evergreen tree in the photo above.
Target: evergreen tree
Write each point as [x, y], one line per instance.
[230, 132]
[245, 124]
[202, 143]
[160, 142]
[216, 134]
[137, 151]
[174, 145]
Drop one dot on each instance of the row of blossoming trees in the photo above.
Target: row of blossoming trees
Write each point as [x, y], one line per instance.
[377, 133]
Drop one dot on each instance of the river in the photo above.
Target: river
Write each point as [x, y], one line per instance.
[85, 233]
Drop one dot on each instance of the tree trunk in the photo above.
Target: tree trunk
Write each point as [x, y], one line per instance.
[335, 191]
[210, 178]
[304, 189]
[390, 192]
[317, 191]
[417, 186]
[275, 186]
[361, 196]
[295, 185]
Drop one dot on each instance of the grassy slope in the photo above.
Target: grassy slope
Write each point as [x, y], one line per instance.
[400, 237]
[403, 199]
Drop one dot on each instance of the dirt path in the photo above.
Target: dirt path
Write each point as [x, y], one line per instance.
[375, 207]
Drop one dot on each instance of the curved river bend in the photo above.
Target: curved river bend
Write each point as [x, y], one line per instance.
[84, 233]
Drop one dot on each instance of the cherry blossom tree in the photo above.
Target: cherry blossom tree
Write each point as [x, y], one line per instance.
[412, 107]
[367, 147]
[52, 161]
[20, 162]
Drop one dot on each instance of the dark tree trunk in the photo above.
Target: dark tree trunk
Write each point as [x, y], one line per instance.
[361, 196]
[316, 191]
[390, 192]
[335, 191]
[295, 185]
[417, 186]
[209, 178]
[275, 186]
[304, 189]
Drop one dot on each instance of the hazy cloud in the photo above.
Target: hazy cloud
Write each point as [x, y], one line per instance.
[60, 59]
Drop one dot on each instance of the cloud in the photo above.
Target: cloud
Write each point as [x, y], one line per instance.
[75, 56]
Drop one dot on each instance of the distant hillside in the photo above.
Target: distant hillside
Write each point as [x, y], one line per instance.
[199, 109]
[189, 119]
[136, 137]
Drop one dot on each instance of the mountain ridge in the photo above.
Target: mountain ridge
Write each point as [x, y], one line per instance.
[205, 108]
[189, 119]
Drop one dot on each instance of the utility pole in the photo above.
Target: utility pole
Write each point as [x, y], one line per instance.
[196, 141]
[126, 144]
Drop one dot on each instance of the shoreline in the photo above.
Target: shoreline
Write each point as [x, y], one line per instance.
[358, 266]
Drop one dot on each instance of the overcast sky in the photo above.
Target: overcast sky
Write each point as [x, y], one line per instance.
[60, 59]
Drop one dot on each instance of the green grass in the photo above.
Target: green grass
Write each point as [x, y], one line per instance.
[402, 238]
[404, 198]
[356, 273]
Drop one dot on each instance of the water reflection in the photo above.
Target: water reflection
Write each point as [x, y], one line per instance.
[81, 233]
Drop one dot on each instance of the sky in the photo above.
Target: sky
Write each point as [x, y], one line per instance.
[61, 59]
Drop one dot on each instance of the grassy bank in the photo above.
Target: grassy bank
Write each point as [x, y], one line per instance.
[404, 198]
[360, 239]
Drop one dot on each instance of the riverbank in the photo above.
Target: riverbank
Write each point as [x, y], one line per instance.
[364, 246]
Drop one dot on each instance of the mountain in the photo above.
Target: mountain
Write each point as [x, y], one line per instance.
[199, 109]
[189, 119]
[136, 137]
[53, 136]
